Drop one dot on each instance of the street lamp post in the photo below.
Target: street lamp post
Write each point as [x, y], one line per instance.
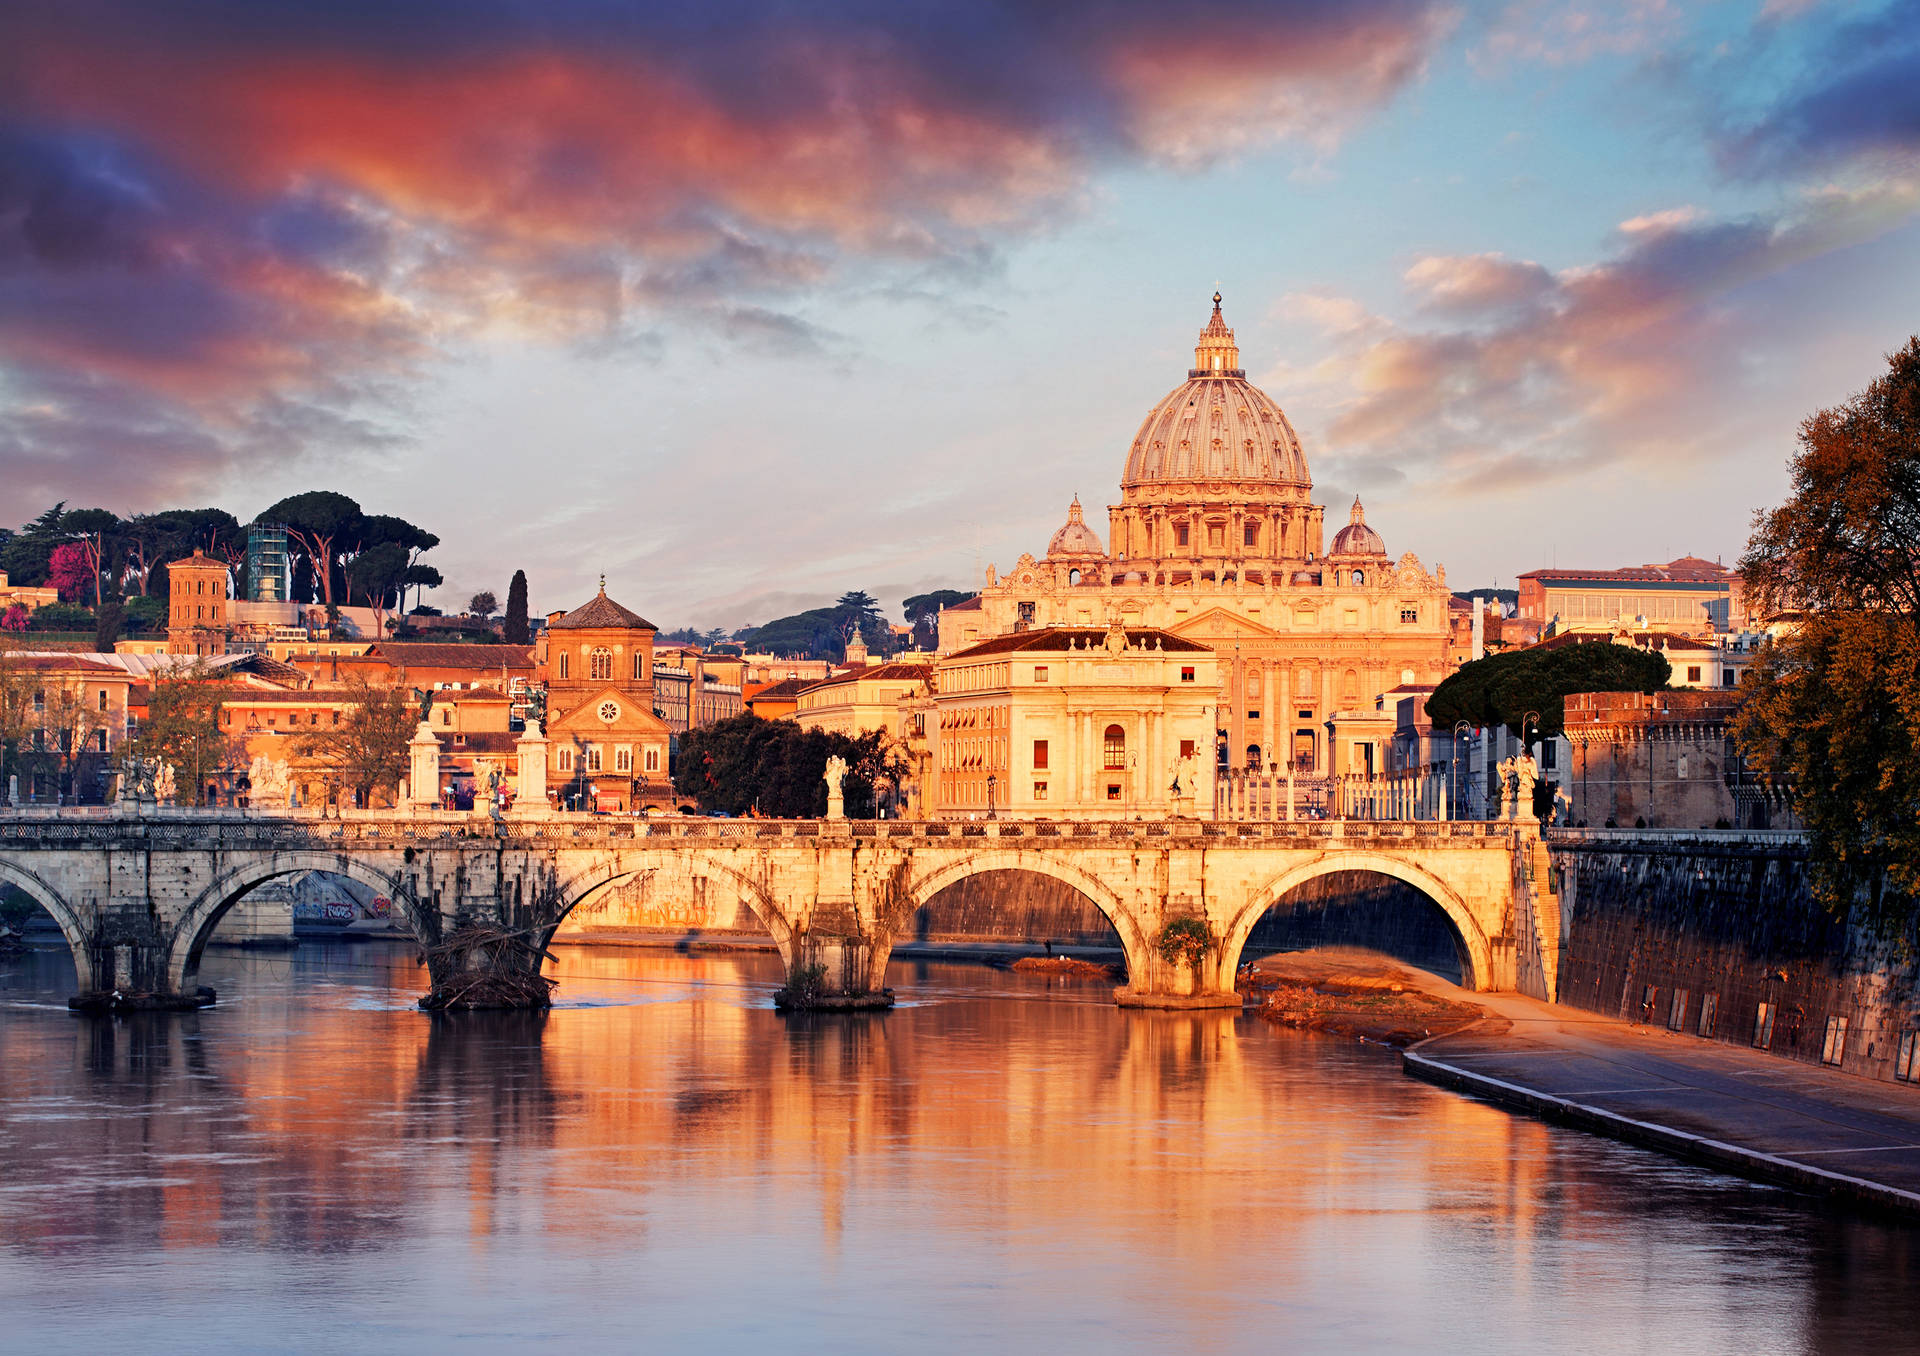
[992, 781]
[1459, 727]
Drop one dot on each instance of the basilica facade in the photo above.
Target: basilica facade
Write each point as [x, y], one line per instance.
[1216, 539]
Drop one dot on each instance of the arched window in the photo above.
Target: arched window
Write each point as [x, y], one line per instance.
[1116, 749]
[1359, 578]
[1073, 576]
[639, 665]
[600, 664]
[563, 663]
[1253, 756]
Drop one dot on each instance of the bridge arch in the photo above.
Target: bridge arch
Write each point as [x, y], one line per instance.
[1475, 953]
[582, 885]
[921, 890]
[211, 905]
[71, 928]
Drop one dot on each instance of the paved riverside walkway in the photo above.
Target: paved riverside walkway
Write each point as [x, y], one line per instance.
[1741, 1110]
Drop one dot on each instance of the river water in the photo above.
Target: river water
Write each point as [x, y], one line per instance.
[1002, 1162]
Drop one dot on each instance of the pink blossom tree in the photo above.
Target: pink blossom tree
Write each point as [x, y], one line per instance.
[70, 569]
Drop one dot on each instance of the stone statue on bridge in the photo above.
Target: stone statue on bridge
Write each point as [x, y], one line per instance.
[1525, 773]
[272, 783]
[836, 773]
[165, 785]
[1502, 790]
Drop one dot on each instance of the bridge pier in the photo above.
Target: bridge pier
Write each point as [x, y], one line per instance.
[127, 967]
[834, 973]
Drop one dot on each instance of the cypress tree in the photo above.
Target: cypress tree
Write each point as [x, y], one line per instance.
[517, 630]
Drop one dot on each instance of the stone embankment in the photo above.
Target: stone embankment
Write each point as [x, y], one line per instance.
[1811, 1129]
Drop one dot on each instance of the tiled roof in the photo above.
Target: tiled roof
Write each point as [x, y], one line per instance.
[1060, 638]
[601, 613]
[971, 605]
[783, 691]
[43, 661]
[890, 673]
[435, 654]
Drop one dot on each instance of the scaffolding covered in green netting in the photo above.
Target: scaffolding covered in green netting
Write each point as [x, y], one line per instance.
[269, 568]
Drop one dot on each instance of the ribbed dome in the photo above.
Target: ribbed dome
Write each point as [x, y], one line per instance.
[1217, 426]
[1356, 538]
[1075, 538]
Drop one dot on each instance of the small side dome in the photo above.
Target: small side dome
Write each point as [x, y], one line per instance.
[1356, 538]
[1075, 539]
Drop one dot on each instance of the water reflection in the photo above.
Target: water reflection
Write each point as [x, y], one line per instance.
[1007, 1161]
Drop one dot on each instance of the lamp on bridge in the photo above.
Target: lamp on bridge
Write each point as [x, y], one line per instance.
[992, 781]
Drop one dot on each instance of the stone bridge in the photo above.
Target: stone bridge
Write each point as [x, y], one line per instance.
[139, 894]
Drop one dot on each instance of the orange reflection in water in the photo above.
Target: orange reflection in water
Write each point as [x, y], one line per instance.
[1002, 1154]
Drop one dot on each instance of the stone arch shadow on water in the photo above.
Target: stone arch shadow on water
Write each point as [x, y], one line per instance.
[1368, 911]
[28, 900]
[1010, 904]
[203, 917]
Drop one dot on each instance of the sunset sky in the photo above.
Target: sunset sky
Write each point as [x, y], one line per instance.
[745, 305]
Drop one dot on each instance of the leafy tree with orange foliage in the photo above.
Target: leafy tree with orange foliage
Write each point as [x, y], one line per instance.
[1834, 708]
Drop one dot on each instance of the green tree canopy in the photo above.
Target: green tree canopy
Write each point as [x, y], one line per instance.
[367, 752]
[518, 629]
[929, 604]
[182, 728]
[1834, 709]
[322, 525]
[748, 762]
[1501, 689]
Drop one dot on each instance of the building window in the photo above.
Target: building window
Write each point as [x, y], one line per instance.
[1113, 791]
[1693, 673]
[1409, 615]
[1834, 1048]
[1186, 673]
[1763, 1027]
[1216, 536]
[566, 759]
[1727, 678]
[1115, 749]
[1039, 790]
[1039, 755]
[103, 699]
[99, 741]
[1253, 715]
[1677, 1011]
[600, 665]
[563, 663]
[1709, 1009]
[446, 715]
[1251, 536]
[1179, 534]
[623, 760]
[1549, 755]
[593, 757]
[1039, 673]
[1359, 578]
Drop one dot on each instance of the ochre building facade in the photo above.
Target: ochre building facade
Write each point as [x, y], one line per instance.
[1216, 540]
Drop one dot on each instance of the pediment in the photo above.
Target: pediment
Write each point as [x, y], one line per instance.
[1219, 623]
[584, 719]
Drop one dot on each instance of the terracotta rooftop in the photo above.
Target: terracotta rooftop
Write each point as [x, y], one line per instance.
[1060, 638]
[971, 605]
[892, 673]
[783, 691]
[601, 613]
[435, 654]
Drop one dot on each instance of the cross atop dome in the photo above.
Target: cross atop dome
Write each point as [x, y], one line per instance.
[1216, 355]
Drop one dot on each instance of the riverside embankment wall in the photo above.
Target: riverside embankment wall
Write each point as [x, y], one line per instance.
[1666, 927]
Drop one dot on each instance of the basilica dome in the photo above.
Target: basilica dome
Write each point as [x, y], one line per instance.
[1218, 426]
[1074, 538]
[1356, 538]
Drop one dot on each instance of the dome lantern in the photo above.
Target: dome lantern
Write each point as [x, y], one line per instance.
[1216, 355]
